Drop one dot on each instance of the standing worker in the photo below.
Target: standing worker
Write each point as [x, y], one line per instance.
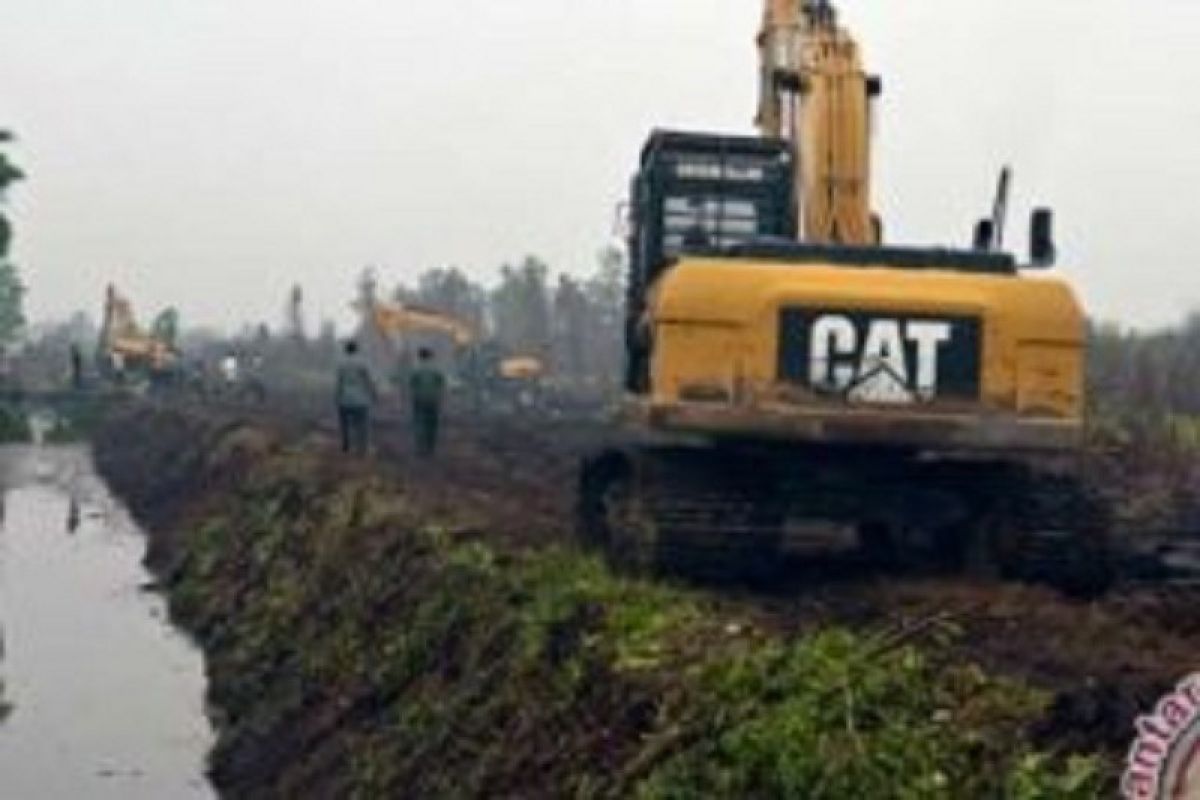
[355, 395]
[230, 372]
[76, 367]
[117, 362]
[427, 387]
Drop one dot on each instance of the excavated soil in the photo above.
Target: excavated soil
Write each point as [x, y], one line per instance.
[1106, 659]
[512, 481]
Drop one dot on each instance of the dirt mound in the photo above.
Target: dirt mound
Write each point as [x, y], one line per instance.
[404, 629]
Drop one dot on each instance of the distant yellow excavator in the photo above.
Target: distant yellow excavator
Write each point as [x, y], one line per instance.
[788, 370]
[404, 320]
[522, 368]
[125, 348]
[395, 320]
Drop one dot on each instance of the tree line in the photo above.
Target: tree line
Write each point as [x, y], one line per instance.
[1148, 374]
[12, 292]
[573, 324]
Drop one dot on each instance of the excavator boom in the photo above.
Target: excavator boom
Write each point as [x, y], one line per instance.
[396, 319]
[815, 94]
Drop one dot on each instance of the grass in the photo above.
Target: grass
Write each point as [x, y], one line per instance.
[14, 425]
[833, 716]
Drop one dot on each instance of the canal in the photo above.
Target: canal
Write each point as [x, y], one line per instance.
[107, 699]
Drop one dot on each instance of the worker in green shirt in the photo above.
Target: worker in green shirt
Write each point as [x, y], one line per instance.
[355, 395]
[427, 389]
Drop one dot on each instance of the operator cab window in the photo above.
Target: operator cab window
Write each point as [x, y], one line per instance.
[707, 221]
[699, 192]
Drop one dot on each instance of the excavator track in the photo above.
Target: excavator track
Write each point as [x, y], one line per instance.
[1055, 532]
[721, 514]
[681, 511]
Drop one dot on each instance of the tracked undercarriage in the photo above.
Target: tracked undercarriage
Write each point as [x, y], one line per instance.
[725, 512]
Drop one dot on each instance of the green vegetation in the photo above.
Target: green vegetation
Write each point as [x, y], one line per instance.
[575, 323]
[837, 715]
[165, 328]
[74, 421]
[357, 650]
[12, 292]
[14, 425]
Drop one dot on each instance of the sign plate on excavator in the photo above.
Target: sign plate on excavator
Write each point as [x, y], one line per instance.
[881, 358]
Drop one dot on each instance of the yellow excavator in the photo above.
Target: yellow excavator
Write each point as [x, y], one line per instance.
[512, 377]
[125, 349]
[393, 319]
[787, 370]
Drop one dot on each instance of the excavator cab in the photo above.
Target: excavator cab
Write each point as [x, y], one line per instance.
[697, 192]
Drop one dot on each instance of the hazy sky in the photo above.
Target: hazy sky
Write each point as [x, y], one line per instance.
[209, 153]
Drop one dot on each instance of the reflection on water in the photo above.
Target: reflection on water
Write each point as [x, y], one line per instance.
[107, 699]
[73, 515]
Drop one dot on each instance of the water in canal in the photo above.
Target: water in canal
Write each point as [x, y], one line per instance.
[107, 699]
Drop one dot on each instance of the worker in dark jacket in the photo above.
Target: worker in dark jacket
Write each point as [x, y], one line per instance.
[355, 396]
[427, 389]
[76, 367]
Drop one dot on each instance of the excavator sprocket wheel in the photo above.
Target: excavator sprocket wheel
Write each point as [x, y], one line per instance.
[686, 513]
[1065, 538]
[1042, 529]
[612, 517]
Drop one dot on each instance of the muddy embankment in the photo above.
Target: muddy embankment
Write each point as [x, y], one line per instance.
[363, 641]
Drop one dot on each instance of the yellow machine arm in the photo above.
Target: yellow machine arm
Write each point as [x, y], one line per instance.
[395, 319]
[119, 322]
[522, 368]
[815, 94]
